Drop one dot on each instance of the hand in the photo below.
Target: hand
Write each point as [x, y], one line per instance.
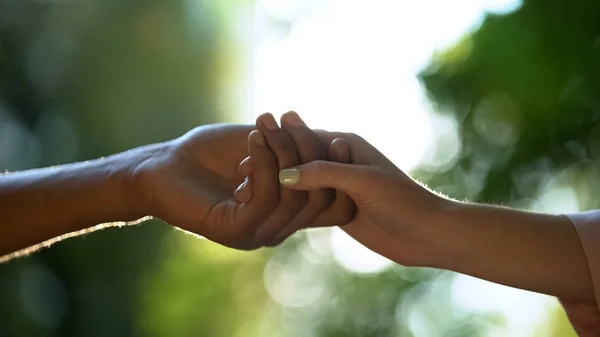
[403, 221]
[188, 182]
[293, 144]
[376, 186]
[393, 211]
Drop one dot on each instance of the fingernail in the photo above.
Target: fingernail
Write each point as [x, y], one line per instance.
[270, 123]
[293, 119]
[241, 194]
[245, 167]
[259, 139]
[340, 151]
[289, 176]
[242, 185]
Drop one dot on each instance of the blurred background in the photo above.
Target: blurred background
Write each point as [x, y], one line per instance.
[484, 100]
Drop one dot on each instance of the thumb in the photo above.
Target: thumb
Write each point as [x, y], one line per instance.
[348, 178]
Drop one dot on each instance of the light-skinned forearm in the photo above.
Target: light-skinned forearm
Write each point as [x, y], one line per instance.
[42, 204]
[536, 252]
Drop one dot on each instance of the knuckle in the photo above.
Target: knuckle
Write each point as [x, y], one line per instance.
[319, 164]
[352, 135]
[353, 138]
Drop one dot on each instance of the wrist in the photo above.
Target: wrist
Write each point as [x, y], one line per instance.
[137, 171]
[439, 236]
[125, 202]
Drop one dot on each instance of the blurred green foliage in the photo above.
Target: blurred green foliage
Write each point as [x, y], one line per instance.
[83, 79]
[524, 89]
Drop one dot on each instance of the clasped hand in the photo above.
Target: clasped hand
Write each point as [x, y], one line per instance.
[327, 179]
[367, 187]
[188, 182]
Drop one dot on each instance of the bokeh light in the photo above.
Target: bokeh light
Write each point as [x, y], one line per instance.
[483, 100]
[355, 257]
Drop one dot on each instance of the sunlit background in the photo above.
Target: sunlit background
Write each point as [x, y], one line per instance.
[484, 100]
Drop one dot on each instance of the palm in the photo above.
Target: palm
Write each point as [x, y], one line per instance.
[199, 178]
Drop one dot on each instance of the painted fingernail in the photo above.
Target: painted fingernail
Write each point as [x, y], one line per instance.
[270, 123]
[289, 176]
[259, 139]
[293, 119]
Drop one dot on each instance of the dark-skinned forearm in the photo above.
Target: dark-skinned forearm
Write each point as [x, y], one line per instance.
[38, 205]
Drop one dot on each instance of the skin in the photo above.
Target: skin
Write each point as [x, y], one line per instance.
[405, 222]
[187, 182]
[332, 208]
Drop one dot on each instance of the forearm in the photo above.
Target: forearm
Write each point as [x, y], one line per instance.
[42, 204]
[536, 252]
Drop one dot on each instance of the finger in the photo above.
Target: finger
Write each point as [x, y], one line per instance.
[327, 137]
[291, 202]
[278, 140]
[243, 193]
[348, 178]
[309, 148]
[363, 153]
[342, 210]
[265, 190]
[246, 168]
